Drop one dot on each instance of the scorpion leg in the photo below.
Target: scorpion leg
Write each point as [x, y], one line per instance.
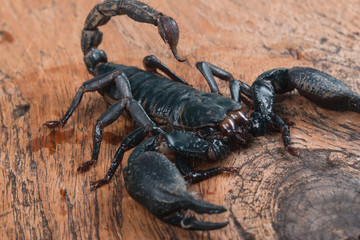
[283, 126]
[236, 86]
[94, 84]
[131, 141]
[209, 71]
[113, 112]
[107, 118]
[152, 63]
[193, 176]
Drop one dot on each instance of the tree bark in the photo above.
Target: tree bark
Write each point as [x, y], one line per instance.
[274, 195]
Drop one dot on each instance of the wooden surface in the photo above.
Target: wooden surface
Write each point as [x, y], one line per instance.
[274, 196]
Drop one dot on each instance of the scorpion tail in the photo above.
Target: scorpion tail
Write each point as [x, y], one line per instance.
[153, 181]
[91, 37]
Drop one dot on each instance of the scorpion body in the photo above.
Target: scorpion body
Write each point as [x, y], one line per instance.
[184, 122]
[170, 102]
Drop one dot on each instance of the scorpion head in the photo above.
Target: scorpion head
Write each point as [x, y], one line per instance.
[236, 125]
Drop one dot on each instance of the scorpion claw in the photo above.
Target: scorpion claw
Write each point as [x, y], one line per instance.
[191, 223]
[153, 181]
[169, 32]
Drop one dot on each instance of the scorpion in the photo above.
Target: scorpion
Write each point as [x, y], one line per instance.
[178, 122]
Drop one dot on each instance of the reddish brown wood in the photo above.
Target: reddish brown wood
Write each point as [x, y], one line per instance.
[275, 195]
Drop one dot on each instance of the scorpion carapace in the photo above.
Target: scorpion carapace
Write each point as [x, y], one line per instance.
[183, 123]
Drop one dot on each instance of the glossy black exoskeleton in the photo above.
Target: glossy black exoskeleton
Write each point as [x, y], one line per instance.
[183, 122]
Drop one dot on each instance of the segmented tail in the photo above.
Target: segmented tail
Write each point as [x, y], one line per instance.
[91, 36]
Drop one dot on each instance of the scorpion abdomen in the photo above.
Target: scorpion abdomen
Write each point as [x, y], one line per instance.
[179, 104]
[167, 101]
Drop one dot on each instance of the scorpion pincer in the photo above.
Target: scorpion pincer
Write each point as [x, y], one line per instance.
[177, 120]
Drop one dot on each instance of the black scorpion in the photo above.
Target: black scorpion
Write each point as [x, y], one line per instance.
[181, 120]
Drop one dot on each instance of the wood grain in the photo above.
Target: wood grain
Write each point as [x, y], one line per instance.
[274, 196]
